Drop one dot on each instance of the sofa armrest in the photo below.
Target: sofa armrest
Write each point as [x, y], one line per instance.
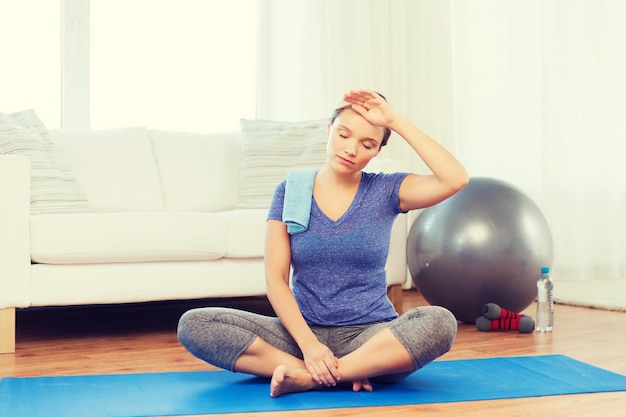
[14, 231]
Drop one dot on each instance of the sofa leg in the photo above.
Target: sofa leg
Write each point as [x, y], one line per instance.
[394, 292]
[7, 330]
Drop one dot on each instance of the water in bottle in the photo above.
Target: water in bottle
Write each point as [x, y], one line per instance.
[545, 302]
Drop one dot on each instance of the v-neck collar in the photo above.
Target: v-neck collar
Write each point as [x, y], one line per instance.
[353, 204]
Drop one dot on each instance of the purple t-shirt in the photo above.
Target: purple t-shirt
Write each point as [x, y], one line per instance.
[339, 273]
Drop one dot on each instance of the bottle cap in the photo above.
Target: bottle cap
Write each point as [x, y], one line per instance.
[545, 269]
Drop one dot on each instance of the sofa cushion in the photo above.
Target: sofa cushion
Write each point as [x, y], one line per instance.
[53, 188]
[127, 237]
[198, 172]
[246, 232]
[270, 149]
[115, 168]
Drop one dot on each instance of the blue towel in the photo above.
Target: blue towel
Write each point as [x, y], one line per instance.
[298, 198]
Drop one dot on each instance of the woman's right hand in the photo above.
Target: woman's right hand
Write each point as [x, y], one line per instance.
[321, 364]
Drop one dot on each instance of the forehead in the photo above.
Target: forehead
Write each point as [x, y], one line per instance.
[358, 125]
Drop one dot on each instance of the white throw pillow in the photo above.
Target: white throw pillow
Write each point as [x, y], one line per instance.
[199, 172]
[115, 168]
[270, 149]
[53, 186]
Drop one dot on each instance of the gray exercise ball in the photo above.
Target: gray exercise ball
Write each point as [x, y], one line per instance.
[485, 244]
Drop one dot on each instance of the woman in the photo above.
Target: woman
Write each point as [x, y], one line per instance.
[337, 325]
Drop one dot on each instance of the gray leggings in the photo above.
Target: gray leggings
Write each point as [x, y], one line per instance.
[220, 335]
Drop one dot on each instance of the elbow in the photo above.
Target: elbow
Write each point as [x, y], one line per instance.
[460, 182]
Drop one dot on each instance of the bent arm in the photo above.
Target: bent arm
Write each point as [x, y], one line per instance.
[448, 175]
[417, 191]
[319, 360]
[277, 268]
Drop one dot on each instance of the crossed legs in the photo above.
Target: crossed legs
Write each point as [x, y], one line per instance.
[259, 345]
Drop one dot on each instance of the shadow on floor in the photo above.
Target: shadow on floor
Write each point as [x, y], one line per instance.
[119, 319]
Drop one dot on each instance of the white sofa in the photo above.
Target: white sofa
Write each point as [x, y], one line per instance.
[162, 220]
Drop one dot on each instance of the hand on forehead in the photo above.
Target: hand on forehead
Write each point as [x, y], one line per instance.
[362, 97]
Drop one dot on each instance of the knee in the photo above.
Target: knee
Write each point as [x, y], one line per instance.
[433, 332]
[194, 324]
[187, 325]
[447, 325]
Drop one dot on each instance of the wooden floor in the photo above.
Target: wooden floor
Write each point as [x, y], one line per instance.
[141, 338]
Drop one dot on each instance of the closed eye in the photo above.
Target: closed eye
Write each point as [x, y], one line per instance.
[369, 143]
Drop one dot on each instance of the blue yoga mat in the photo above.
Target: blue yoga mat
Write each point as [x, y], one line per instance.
[215, 392]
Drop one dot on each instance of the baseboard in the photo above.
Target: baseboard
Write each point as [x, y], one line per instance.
[609, 294]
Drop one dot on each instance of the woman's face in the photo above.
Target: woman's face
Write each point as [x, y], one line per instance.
[352, 141]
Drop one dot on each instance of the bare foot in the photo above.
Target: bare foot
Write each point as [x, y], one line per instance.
[362, 385]
[286, 380]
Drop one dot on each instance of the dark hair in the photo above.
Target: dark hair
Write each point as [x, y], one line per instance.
[338, 111]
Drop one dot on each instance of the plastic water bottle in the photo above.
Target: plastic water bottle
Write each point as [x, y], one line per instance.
[545, 302]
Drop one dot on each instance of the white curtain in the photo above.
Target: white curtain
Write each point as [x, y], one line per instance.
[531, 92]
[310, 52]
